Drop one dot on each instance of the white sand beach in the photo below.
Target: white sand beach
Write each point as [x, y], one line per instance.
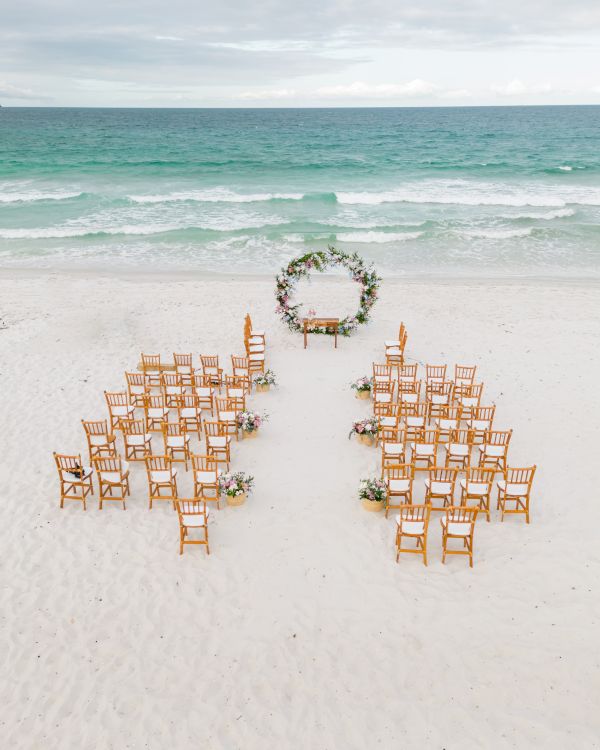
[299, 630]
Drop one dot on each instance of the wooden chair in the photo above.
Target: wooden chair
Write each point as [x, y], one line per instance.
[113, 480]
[193, 516]
[152, 368]
[393, 450]
[439, 486]
[253, 345]
[136, 441]
[138, 387]
[448, 420]
[256, 363]
[515, 488]
[435, 373]
[171, 386]
[458, 448]
[118, 408]
[477, 486]
[459, 523]
[162, 478]
[481, 420]
[211, 369]
[394, 354]
[190, 413]
[240, 366]
[407, 373]
[156, 412]
[412, 522]
[382, 373]
[388, 423]
[383, 396]
[414, 417]
[390, 343]
[438, 395]
[184, 368]
[237, 386]
[176, 442]
[227, 415]
[424, 449]
[251, 333]
[464, 376]
[218, 442]
[468, 397]
[399, 484]
[101, 442]
[203, 388]
[494, 449]
[75, 478]
[409, 391]
[206, 478]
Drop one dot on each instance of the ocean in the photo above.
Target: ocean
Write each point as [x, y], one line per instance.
[478, 191]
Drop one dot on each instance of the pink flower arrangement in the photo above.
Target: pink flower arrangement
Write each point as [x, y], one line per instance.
[234, 484]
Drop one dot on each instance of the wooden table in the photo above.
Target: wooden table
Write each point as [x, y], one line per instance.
[320, 323]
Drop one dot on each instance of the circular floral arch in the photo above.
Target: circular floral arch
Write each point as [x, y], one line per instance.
[321, 260]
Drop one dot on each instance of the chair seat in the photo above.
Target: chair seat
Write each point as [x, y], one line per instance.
[137, 390]
[392, 342]
[194, 520]
[206, 477]
[157, 413]
[87, 472]
[469, 401]
[513, 488]
[204, 392]
[457, 449]
[163, 477]
[388, 421]
[227, 416]
[393, 449]
[393, 351]
[184, 369]
[423, 449]
[496, 451]
[113, 477]
[415, 421]
[382, 398]
[190, 412]
[122, 411]
[439, 399]
[236, 392]
[137, 439]
[257, 333]
[177, 441]
[99, 440]
[414, 528]
[256, 357]
[438, 488]
[457, 528]
[409, 398]
[382, 379]
[476, 488]
[218, 441]
[398, 485]
[447, 424]
[479, 424]
[174, 390]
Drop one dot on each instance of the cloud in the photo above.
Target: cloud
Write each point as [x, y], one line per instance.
[7, 91]
[362, 90]
[267, 94]
[516, 87]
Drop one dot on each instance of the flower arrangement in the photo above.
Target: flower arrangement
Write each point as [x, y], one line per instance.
[235, 484]
[365, 428]
[320, 260]
[374, 490]
[362, 384]
[250, 421]
[265, 378]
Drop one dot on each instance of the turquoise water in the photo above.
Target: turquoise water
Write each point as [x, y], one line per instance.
[459, 191]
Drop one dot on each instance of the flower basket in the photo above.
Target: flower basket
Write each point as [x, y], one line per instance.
[372, 493]
[262, 388]
[362, 387]
[246, 435]
[366, 431]
[366, 439]
[264, 381]
[236, 487]
[249, 422]
[362, 394]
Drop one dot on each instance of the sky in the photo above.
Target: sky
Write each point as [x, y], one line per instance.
[265, 53]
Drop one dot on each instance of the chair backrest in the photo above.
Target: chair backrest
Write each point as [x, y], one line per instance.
[155, 401]
[158, 463]
[190, 508]
[407, 372]
[419, 513]
[474, 390]
[398, 471]
[150, 361]
[520, 475]
[443, 474]
[68, 463]
[210, 364]
[104, 464]
[204, 463]
[462, 437]
[382, 371]
[95, 427]
[172, 429]
[480, 475]
[497, 437]
[188, 401]
[239, 363]
[464, 374]
[171, 380]
[439, 388]
[182, 360]
[435, 372]
[484, 413]
[427, 437]
[116, 399]
[133, 427]
[461, 514]
[450, 412]
[136, 379]
[214, 429]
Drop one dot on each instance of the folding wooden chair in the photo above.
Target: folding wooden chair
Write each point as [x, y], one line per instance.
[184, 367]
[101, 442]
[190, 413]
[515, 488]
[206, 478]
[477, 486]
[171, 386]
[118, 408]
[203, 388]
[113, 480]
[211, 369]
[193, 516]
[176, 442]
[218, 442]
[162, 479]
[227, 415]
[399, 484]
[75, 478]
[156, 412]
[494, 449]
[152, 368]
[136, 441]
[459, 523]
[439, 486]
[414, 417]
[412, 523]
[448, 420]
[393, 450]
[481, 420]
[138, 387]
[458, 448]
[424, 449]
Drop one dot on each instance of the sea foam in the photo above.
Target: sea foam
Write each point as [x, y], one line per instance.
[217, 195]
